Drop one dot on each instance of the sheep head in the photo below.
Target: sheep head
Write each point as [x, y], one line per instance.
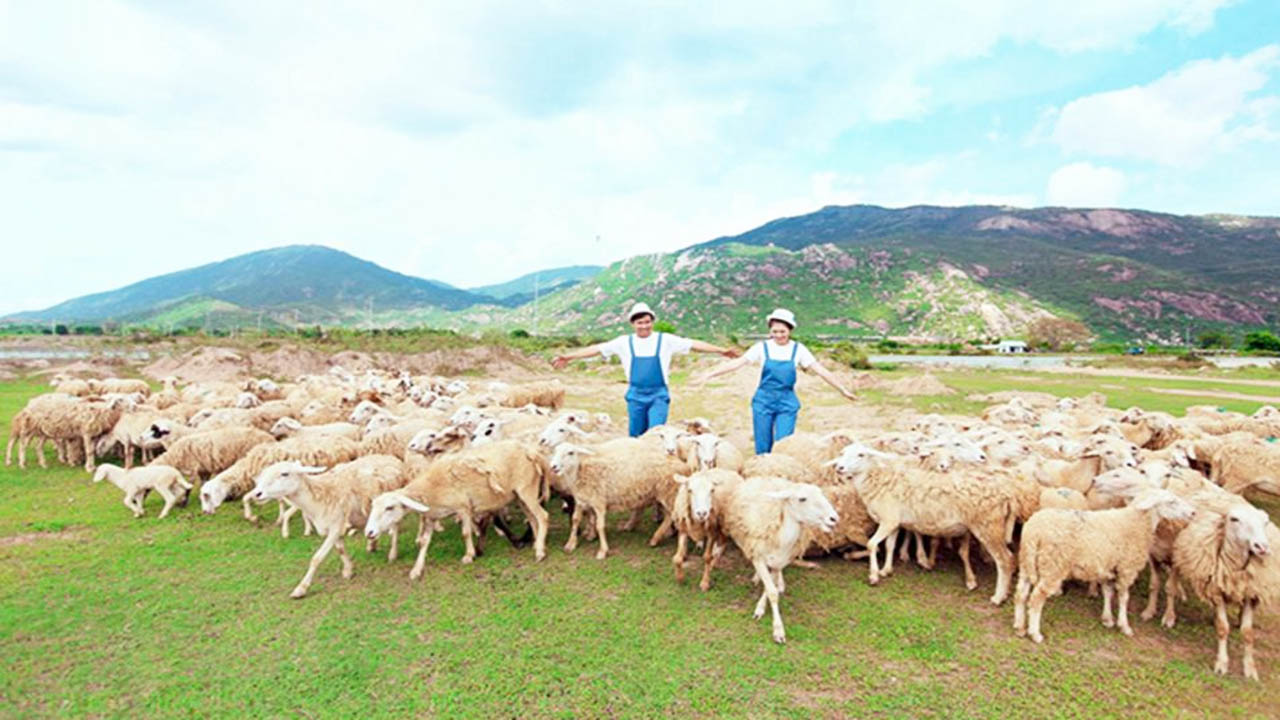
[807, 505]
[281, 479]
[387, 510]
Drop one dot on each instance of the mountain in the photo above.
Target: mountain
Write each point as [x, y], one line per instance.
[308, 283]
[514, 293]
[967, 272]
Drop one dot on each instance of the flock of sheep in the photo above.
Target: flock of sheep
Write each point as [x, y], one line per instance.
[1090, 494]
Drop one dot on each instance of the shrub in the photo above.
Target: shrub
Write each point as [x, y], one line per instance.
[850, 355]
[1213, 339]
[1262, 340]
[664, 326]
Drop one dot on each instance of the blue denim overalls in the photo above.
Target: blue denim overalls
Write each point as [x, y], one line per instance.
[647, 396]
[774, 406]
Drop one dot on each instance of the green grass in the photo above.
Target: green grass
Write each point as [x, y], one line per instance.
[105, 615]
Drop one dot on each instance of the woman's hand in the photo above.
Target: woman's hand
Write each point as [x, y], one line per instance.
[559, 362]
[731, 352]
[848, 394]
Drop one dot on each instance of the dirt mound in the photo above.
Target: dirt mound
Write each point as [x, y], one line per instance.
[288, 362]
[925, 384]
[7, 374]
[201, 365]
[1033, 399]
[497, 362]
[865, 381]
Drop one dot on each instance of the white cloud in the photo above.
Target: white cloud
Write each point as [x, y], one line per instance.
[1084, 185]
[471, 142]
[1180, 119]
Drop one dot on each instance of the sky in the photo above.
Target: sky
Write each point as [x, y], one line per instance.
[473, 142]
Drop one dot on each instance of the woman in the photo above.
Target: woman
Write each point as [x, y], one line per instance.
[646, 359]
[774, 406]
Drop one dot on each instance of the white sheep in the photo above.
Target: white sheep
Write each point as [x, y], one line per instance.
[696, 514]
[1105, 546]
[334, 500]
[617, 475]
[768, 519]
[1227, 559]
[137, 482]
[468, 484]
[202, 455]
[712, 451]
[287, 427]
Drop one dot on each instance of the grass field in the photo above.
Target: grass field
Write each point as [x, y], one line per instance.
[105, 615]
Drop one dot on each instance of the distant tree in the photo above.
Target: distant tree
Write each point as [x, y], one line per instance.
[1262, 340]
[519, 333]
[60, 329]
[1057, 334]
[1213, 339]
[664, 326]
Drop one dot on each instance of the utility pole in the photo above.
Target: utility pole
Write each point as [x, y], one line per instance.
[536, 275]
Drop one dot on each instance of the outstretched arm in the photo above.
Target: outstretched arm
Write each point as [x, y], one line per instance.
[559, 361]
[709, 348]
[832, 380]
[721, 369]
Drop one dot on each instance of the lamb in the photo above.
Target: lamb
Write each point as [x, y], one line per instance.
[1105, 546]
[202, 455]
[1100, 456]
[767, 519]
[68, 385]
[941, 504]
[467, 484]
[618, 475]
[287, 427]
[137, 482]
[696, 514]
[712, 451]
[546, 394]
[1227, 559]
[332, 499]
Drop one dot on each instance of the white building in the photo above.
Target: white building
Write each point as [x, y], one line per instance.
[1011, 346]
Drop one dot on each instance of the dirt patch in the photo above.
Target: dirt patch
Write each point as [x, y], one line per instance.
[28, 538]
[204, 364]
[94, 368]
[1221, 394]
[288, 362]
[926, 384]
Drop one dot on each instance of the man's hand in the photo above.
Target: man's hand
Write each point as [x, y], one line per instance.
[731, 352]
[559, 362]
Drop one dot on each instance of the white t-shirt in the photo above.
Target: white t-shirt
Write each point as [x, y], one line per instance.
[804, 358]
[647, 347]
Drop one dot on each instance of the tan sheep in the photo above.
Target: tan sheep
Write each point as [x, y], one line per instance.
[467, 484]
[696, 514]
[544, 394]
[1237, 466]
[119, 385]
[1105, 546]
[617, 475]
[202, 455]
[770, 520]
[1227, 558]
[333, 500]
[83, 421]
[783, 466]
[25, 425]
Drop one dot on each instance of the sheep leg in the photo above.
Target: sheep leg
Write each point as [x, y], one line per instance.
[348, 568]
[248, 512]
[1171, 589]
[1093, 590]
[425, 531]
[904, 552]
[780, 582]
[538, 519]
[632, 521]
[1108, 592]
[44, 462]
[1035, 608]
[169, 500]
[771, 594]
[468, 529]
[888, 552]
[970, 580]
[922, 556]
[1153, 592]
[603, 552]
[394, 532]
[128, 455]
[885, 529]
[682, 547]
[1122, 605]
[1020, 605]
[307, 527]
[1220, 623]
[8, 450]
[992, 540]
[286, 514]
[576, 520]
[334, 537]
[88, 452]
[664, 529]
[1246, 634]
[710, 556]
[133, 507]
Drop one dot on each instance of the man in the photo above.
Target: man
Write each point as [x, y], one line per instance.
[646, 359]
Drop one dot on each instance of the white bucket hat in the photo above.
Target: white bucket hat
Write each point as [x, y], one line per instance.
[782, 315]
[641, 309]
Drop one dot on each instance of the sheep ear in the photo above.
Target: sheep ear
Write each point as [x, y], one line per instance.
[831, 463]
[780, 494]
[586, 451]
[680, 479]
[576, 430]
[312, 469]
[413, 505]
